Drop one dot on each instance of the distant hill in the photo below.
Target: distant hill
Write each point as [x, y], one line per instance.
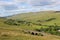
[42, 16]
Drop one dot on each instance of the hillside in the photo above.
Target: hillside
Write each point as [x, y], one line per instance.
[34, 17]
[23, 26]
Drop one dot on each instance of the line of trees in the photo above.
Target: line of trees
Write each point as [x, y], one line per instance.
[17, 22]
[47, 20]
[52, 29]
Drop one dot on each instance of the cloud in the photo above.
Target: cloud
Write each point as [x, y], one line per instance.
[40, 2]
[10, 7]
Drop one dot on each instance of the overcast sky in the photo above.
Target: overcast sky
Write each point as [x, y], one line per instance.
[10, 7]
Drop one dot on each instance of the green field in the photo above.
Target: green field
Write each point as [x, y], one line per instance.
[34, 17]
[33, 20]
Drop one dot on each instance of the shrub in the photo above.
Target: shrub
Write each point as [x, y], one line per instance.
[50, 19]
[5, 35]
[41, 34]
[36, 33]
[32, 33]
[39, 30]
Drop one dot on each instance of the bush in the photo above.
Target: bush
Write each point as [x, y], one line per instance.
[39, 30]
[50, 19]
[32, 33]
[5, 35]
[52, 29]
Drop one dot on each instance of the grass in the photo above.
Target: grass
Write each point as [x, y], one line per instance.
[33, 17]
[15, 32]
[14, 35]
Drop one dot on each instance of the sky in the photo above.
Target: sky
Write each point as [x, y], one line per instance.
[11, 7]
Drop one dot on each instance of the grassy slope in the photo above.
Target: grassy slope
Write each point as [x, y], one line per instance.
[15, 33]
[39, 16]
[33, 17]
